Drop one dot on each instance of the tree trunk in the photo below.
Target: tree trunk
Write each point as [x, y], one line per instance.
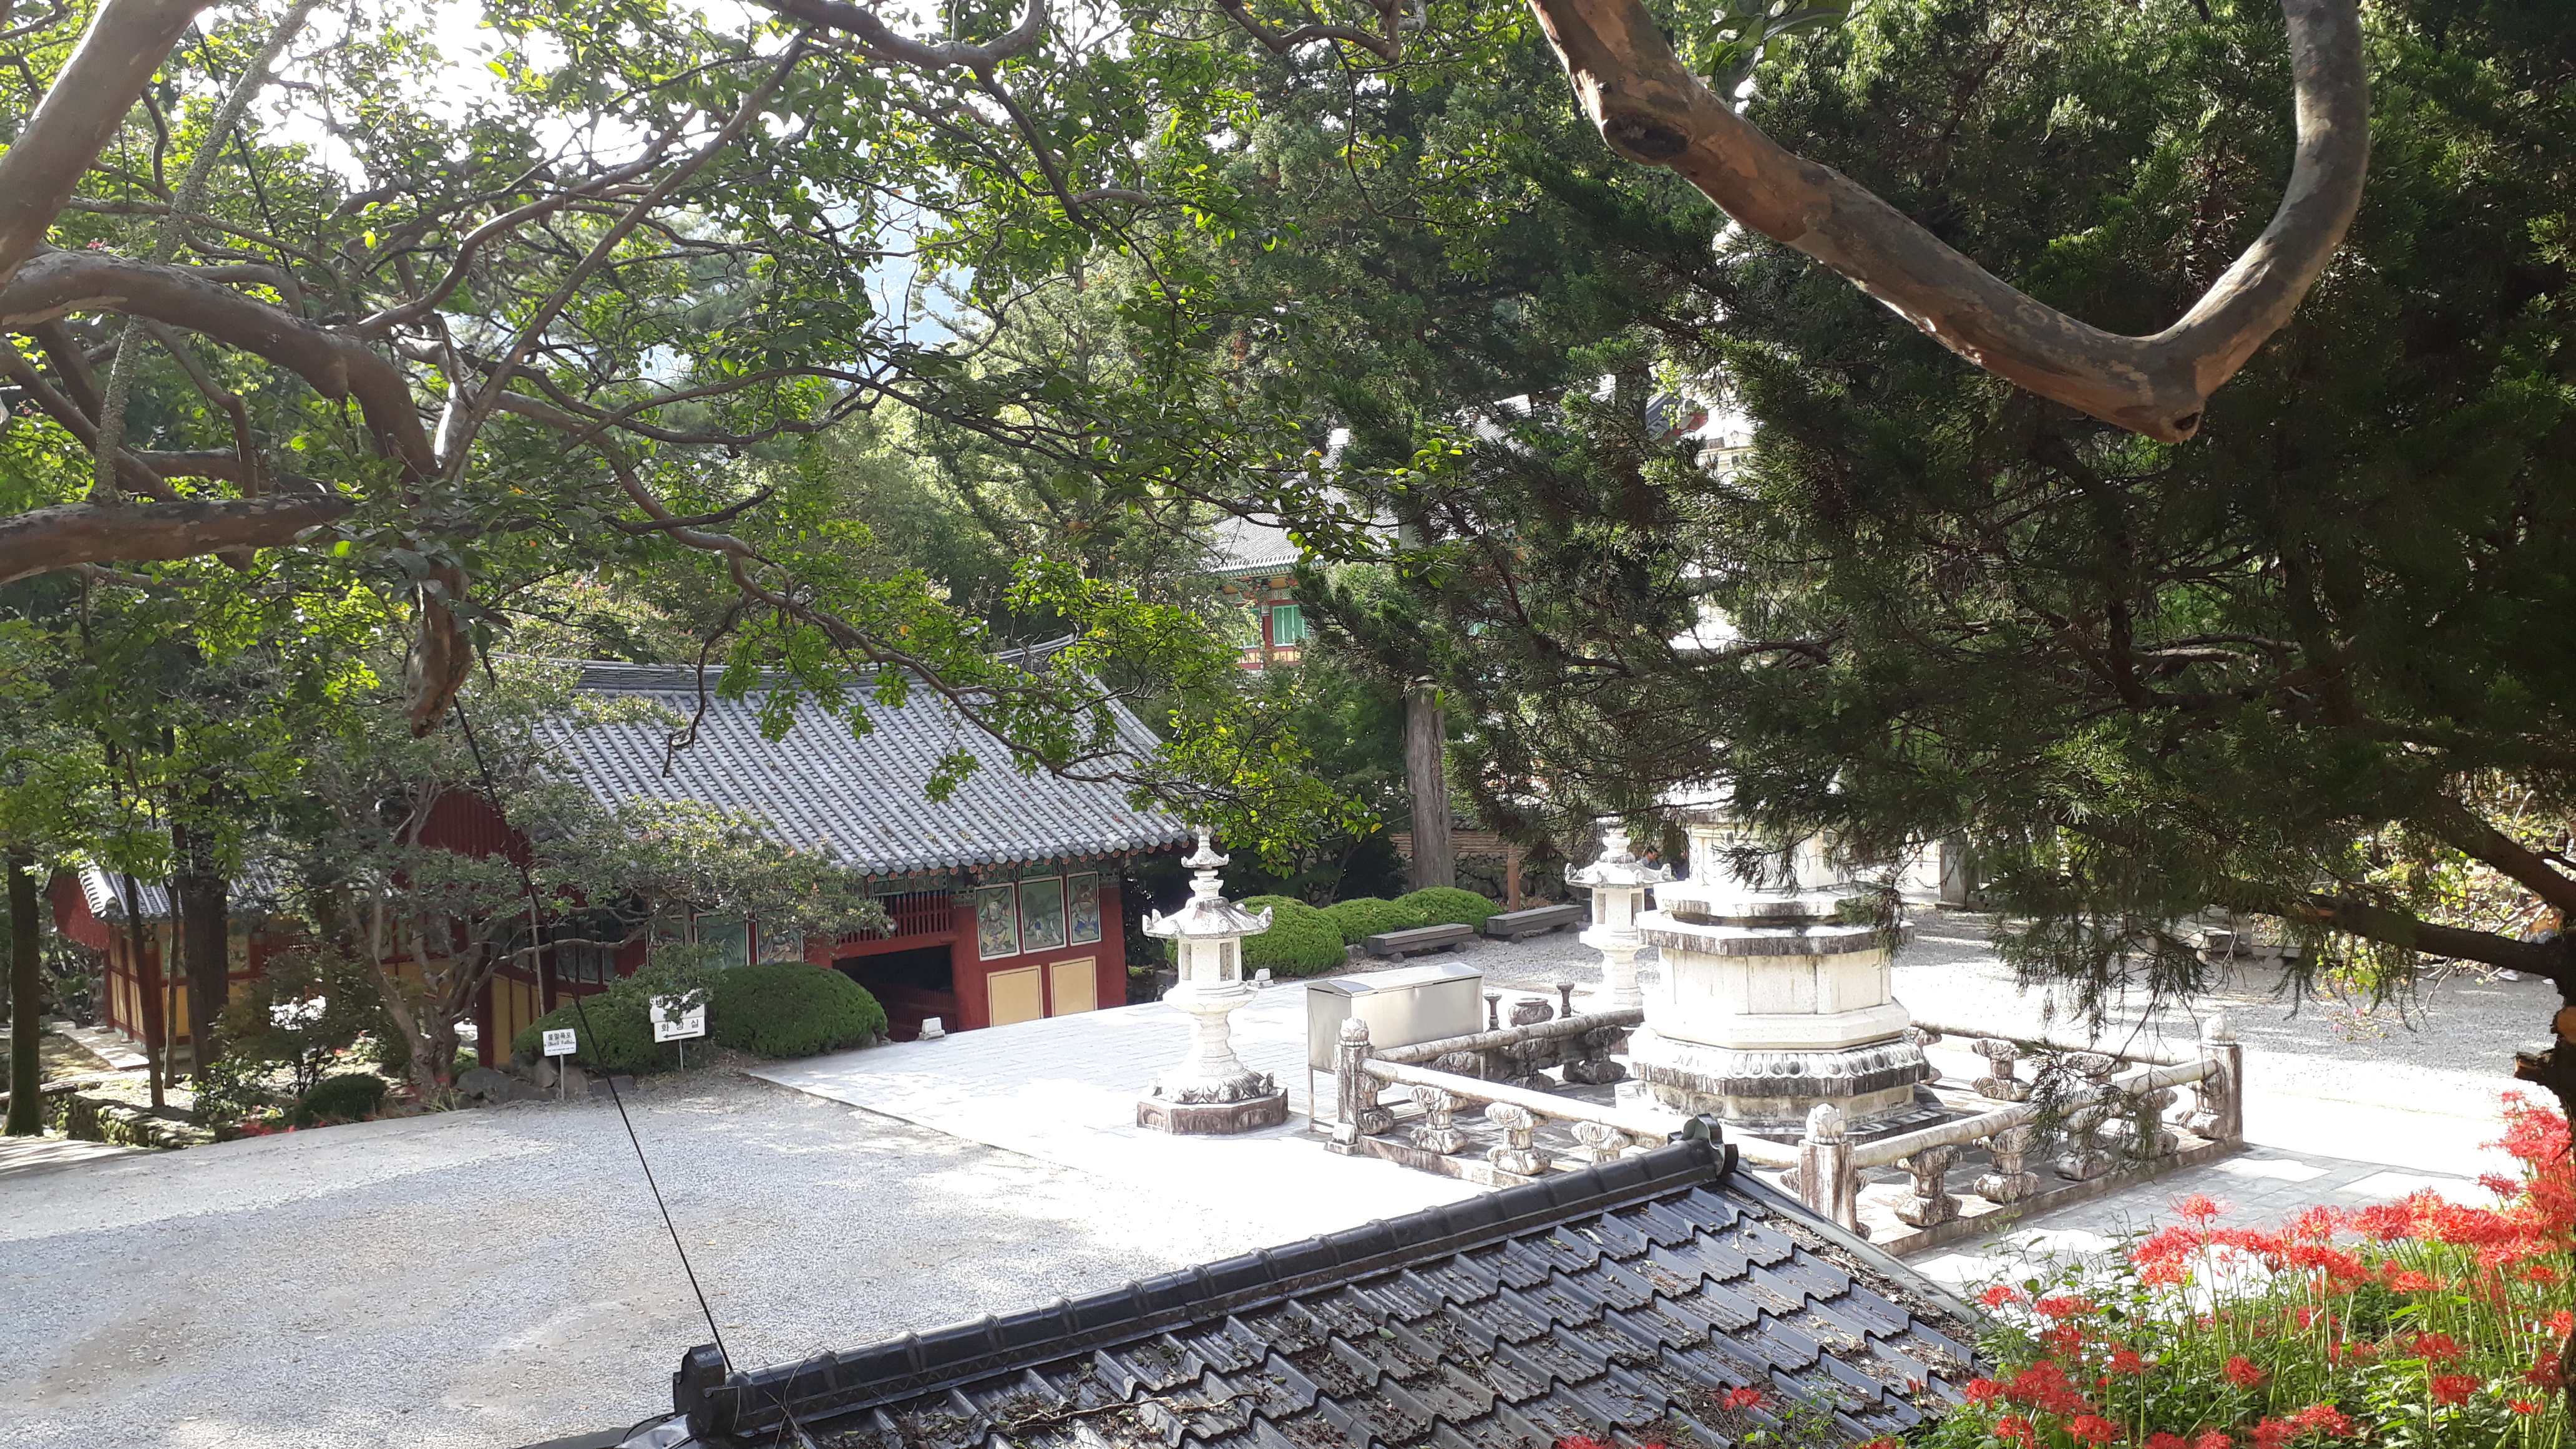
[205, 936]
[26, 983]
[1435, 859]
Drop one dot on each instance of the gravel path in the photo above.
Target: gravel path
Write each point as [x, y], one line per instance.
[498, 1277]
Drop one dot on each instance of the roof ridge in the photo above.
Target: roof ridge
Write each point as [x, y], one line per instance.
[917, 1363]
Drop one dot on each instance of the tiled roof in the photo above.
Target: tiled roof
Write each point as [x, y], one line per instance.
[858, 798]
[105, 893]
[1243, 545]
[1626, 1297]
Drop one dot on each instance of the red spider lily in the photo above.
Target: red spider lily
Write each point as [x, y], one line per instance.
[2212, 1440]
[2324, 1419]
[2433, 1347]
[2126, 1361]
[1883, 1441]
[2166, 1441]
[2388, 1222]
[2406, 1280]
[2199, 1207]
[2273, 1433]
[1581, 1441]
[2241, 1371]
[1981, 1391]
[2563, 1322]
[2522, 1406]
[2094, 1429]
[2540, 1273]
[2318, 1223]
[2013, 1429]
[2452, 1388]
[2002, 1295]
[2065, 1305]
[2065, 1338]
[1741, 1399]
[2543, 1372]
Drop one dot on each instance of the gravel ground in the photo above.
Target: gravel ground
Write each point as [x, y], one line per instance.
[498, 1277]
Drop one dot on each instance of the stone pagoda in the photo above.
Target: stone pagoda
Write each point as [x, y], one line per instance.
[1772, 1000]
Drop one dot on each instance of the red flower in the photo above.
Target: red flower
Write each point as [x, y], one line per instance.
[2273, 1433]
[2405, 1281]
[2094, 1429]
[2001, 1295]
[1581, 1441]
[1742, 1399]
[2387, 1222]
[2212, 1440]
[2013, 1429]
[1981, 1391]
[2543, 1372]
[2433, 1347]
[2126, 1361]
[2065, 1305]
[2167, 1441]
[2241, 1371]
[2199, 1207]
[2324, 1419]
[2540, 1273]
[2522, 1406]
[2563, 1322]
[2453, 1388]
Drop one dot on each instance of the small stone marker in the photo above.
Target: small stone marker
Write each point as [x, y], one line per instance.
[931, 1029]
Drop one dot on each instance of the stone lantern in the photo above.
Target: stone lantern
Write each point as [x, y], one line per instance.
[1618, 882]
[1774, 1003]
[1211, 1091]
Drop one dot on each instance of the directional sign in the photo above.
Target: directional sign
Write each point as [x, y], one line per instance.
[671, 1023]
[561, 1043]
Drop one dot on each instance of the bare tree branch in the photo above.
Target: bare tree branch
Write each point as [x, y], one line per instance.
[126, 42]
[44, 539]
[1651, 110]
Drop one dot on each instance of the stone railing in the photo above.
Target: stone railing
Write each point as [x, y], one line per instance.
[1499, 1074]
[2107, 1121]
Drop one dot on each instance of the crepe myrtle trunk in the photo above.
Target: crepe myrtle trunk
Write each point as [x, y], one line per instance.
[1435, 858]
[26, 983]
[205, 931]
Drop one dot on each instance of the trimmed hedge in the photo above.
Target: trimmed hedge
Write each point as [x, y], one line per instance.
[1450, 906]
[348, 1097]
[1301, 941]
[1367, 916]
[618, 1037]
[773, 1009]
[790, 1009]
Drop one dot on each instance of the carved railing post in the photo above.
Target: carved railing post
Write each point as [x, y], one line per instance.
[1355, 1109]
[1439, 1130]
[1931, 1203]
[1493, 1011]
[1925, 1038]
[2009, 1182]
[2085, 1157]
[1592, 1065]
[1999, 1083]
[1601, 1141]
[2148, 1136]
[1827, 1181]
[1518, 1154]
[2218, 1099]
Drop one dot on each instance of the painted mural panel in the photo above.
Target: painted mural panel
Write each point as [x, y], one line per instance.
[1042, 914]
[1082, 908]
[997, 927]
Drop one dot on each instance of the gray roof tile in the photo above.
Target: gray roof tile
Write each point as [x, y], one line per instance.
[1409, 1341]
[858, 798]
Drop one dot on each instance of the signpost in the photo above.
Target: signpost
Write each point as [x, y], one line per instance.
[561, 1042]
[672, 1023]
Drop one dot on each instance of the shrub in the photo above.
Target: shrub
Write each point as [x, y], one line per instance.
[2422, 1324]
[1368, 915]
[1449, 906]
[348, 1097]
[614, 1034]
[1301, 941]
[790, 1009]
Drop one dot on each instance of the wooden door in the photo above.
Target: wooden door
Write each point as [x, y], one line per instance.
[1075, 985]
[1014, 995]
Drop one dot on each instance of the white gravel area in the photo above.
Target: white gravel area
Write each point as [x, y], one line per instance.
[499, 1277]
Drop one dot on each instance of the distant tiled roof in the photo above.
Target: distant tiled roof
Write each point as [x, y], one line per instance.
[859, 799]
[1244, 546]
[105, 893]
[1628, 1296]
